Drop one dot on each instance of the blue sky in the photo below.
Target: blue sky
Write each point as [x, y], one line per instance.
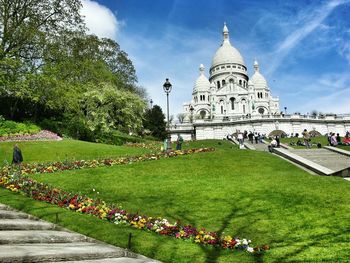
[303, 47]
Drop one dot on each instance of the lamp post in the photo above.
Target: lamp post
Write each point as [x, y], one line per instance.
[285, 110]
[151, 102]
[167, 89]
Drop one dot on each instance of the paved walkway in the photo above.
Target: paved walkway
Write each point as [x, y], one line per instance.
[24, 238]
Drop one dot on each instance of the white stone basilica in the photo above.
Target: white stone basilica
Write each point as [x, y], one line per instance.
[230, 101]
[230, 92]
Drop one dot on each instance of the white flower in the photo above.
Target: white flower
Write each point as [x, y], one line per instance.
[245, 242]
[250, 249]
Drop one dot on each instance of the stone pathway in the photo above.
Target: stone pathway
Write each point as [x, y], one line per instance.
[24, 238]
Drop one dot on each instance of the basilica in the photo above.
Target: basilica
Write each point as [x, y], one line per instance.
[229, 92]
[230, 101]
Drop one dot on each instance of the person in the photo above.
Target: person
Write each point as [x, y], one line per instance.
[251, 137]
[240, 140]
[165, 145]
[278, 141]
[338, 138]
[272, 144]
[256, 137]
[306, 137]
[179, 142]
[333, 140]
[346, 140]
[17, 157]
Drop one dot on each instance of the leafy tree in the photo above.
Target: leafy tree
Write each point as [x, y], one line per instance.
[154, 120]
[107, 109]
[181, 117]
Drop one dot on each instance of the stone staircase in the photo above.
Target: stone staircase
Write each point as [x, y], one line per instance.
[321, 161]
[24, 238]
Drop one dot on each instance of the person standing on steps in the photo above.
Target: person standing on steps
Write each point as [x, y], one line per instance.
[17, 157]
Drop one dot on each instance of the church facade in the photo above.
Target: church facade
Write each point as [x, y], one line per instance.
[230, 101]
[229, 92]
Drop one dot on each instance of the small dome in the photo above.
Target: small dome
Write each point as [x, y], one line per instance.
[257, 78]
[226, 52]
[202, 83]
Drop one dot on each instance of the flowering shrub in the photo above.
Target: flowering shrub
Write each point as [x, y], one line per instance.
[39, 136]
[16, 181]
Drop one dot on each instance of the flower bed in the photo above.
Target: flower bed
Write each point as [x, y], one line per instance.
[33, 168]
[19, 182]
[117, 215]
[40, 136]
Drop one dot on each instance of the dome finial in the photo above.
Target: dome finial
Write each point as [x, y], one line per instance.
[256, 65]
[201, 69]
[225, 32]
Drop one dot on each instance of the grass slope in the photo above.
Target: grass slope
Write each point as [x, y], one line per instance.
[250, 194]
[45, 151]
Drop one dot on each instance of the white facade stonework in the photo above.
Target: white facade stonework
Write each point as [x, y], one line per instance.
[230, 101]
[229, 91]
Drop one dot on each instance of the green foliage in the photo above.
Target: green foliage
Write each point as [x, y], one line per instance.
[52, 70]
[8, 128]
[108, 109]
[154, 122]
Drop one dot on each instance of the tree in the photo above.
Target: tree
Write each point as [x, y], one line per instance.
[154, 121]
[181, 117]
[109, 109]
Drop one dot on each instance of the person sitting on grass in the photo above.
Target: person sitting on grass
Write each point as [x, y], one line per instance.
[17, 157]
[346, 140]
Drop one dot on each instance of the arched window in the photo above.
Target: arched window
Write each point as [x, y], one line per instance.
[203, 97]
[223, 82]
[231, 81]
[222, 106]
[232, 100]
[218, 84]
[240, 82]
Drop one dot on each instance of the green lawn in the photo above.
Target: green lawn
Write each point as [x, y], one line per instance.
[45, 151]
[255, 195]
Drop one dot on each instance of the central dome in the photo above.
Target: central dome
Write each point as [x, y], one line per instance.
[226, 52]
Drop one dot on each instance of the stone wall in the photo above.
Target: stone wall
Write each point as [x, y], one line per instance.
[215, 129]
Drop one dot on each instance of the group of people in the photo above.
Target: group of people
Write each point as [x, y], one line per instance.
[179, 142]
[335, 139]
[252, 137]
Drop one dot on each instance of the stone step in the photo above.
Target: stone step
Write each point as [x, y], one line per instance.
[39, 236]
[24, 224]
[114, 260]
[10, 214]
[332, 160]
[58, 252]
[334, 165]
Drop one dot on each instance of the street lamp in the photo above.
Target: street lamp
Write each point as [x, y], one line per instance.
[151, 102]
[191, 110]
[167, 89]
[285, 110]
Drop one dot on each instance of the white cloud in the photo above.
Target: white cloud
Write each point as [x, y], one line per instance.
[100, 20]
[309, 21]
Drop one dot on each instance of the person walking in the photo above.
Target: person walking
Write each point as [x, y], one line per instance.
[17, 157]
[179, 142]
[306, 137]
